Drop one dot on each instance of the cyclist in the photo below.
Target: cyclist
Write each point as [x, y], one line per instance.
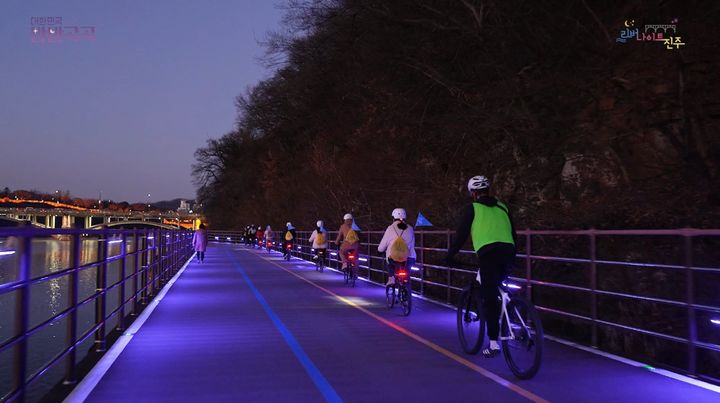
[490, 225]
[347, 243]
[289, 238]
[398, 243]
[269, 236]
[259, 237]
[319, 239]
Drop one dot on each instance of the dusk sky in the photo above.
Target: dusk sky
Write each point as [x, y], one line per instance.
[123, 113]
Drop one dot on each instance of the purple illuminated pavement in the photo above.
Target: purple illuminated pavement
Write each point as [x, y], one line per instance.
[240, 328]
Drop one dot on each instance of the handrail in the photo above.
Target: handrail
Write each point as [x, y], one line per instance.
[431, 274]
[157, 254]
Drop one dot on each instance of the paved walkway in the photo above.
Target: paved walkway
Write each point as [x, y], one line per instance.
[245, 326]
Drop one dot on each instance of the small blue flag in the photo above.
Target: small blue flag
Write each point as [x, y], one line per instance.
[355, 226]
[422, 221]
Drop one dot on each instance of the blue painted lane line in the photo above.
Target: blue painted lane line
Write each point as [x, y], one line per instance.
[317, 377]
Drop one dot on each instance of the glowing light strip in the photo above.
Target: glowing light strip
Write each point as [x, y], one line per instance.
[362, 259]
[115, 241]
[715, 321]
[86, 386]
[7, 252]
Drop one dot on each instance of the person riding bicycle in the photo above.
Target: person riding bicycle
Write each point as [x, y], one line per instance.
[398, 243]
[319, 240]
[259, 237]
[347, 238]
[288, 238]
[490, 225]
[269, 236]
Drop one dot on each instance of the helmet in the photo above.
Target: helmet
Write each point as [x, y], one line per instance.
[319, 224]
[399, 214]
[478, 183]
[288, 224]
[348, 216]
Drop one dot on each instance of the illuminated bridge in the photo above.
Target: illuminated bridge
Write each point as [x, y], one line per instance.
[248, 326]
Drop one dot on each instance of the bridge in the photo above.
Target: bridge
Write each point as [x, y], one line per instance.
[246, 325]
[48, 214]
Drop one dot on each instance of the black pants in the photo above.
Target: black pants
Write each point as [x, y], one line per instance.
[200, 256]
[494, 268]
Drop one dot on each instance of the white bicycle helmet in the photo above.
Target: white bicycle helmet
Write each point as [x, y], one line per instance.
[288, 224]
[348, 216]
[478, 183]
[399, 214]
[319, 224]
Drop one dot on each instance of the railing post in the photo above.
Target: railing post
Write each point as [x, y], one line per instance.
[22, 318]
[369, 258]
[528, 266]
[593, 288]
[123, 256]
[136, 257]
[449, 270]
[145, 266]
[692, 323]
[100, 287]
[71, 325]
[422, 263]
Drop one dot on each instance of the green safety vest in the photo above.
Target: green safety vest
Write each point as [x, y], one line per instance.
[490, 225]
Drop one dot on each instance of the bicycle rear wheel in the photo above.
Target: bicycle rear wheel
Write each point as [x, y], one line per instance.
[523, 352]
[390, 296]
[405, 299]
[470, 321]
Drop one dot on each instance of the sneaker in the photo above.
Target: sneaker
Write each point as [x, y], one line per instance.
[391, 281]
[490, 352]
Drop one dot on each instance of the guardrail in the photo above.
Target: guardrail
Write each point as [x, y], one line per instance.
[684, 320]
[145, 258]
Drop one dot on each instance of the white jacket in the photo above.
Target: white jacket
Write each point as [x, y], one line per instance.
[313, 238]
[391, 233]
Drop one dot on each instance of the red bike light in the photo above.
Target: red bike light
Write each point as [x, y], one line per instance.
[401, 273]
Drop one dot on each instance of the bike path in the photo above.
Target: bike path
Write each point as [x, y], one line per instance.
[567, 374]
[215, 337]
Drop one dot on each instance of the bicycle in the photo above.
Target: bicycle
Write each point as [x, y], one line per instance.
[269, 245]
[403, 295]
[521, 331]
[350, 272]
[288, 249]
[320, 259]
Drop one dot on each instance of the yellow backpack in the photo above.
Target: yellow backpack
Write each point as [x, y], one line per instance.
[320, 238]
[288, 236]
[399, 251]
[352, 237]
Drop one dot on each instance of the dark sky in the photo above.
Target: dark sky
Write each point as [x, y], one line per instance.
[123, 114]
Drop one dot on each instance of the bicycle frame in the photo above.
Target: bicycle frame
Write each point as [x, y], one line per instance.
[505, 298]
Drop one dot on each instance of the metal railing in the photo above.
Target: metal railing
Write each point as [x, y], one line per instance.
[430, 278]
[146, 259]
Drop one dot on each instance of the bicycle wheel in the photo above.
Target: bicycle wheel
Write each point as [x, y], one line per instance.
[523, 352]
[390, 296]
[353, 276]
[405, 300]
[346, 275]
[470, 321]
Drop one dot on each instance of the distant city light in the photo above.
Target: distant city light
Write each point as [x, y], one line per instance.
[362, 259]
[333, 254]
[299, 247]
[7, 252]
[415, 268]
[217, 238]
[228, 238]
